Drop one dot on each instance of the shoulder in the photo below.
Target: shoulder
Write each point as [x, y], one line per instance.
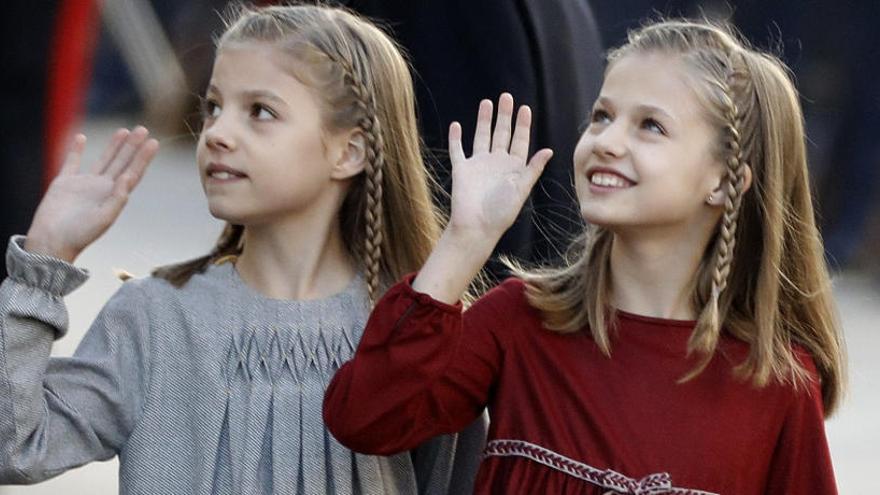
[505, 306]
[507, 296]
[137, 300]
[215, 278]
[137, 291]
[811, 389]
[800, 394]
[158, 297]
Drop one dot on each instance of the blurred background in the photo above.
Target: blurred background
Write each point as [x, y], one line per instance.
[91, 66]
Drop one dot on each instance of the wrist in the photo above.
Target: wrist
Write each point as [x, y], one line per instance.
[456, 259]
[479, 242]
[39, 244]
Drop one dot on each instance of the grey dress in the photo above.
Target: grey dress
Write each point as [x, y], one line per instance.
[210, 388]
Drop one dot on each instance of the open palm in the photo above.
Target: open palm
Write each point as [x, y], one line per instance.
[490, 187]
[80, 205]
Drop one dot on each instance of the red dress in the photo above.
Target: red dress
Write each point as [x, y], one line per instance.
[566, 419]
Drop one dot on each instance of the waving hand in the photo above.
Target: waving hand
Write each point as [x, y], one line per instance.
[80, 205]
[489, 189]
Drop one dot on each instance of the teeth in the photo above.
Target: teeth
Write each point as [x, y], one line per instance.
[221, 175]
[608, 180]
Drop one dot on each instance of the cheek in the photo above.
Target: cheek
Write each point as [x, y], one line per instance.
[581, 155]
[201, 158]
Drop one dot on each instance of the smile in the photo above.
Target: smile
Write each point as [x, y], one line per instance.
[224, 173]
[610, 180]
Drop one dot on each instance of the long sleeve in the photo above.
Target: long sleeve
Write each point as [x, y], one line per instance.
[802, 462]
[60, 413]
[421, 369]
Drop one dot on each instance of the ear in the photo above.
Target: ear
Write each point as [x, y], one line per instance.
[719, 195]
[353, 158]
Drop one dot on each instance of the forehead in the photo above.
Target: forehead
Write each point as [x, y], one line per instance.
[653, 79]
[248, 65]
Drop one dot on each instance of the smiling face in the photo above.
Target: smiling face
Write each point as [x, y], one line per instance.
[263, 153]
[647, 159]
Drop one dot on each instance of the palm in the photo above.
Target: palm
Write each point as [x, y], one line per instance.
[490, 187]
[79, 206]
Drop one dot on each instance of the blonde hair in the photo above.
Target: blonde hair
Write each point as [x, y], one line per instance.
[388, 220]
[763, 276]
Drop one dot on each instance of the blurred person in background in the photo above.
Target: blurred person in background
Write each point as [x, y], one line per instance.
[549, 54]
[47, 57]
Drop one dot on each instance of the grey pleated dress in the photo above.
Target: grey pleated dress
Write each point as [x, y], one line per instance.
[211, 388]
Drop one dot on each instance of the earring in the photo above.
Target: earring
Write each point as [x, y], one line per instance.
[710, 198]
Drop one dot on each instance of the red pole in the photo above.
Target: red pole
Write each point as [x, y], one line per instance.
[72, 48]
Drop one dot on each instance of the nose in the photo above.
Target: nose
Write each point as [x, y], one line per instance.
[610, 141]
[219, 133]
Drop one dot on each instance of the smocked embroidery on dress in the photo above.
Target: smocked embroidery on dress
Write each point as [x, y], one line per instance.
[653, 484]
[275, 377]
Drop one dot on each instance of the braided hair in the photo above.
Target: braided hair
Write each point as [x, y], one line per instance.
[763, 278]
[388, 220]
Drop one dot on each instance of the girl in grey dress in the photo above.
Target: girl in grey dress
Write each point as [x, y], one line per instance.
[208, 377]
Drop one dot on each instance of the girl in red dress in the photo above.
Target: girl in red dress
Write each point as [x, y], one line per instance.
[690, 345]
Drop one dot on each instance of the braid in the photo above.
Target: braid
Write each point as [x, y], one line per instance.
[705, 338]
[374, 167]
[735, 181]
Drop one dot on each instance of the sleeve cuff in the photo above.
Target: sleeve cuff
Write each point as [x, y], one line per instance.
[53, 275]
[404, 288]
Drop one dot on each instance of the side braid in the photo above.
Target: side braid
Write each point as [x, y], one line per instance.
[734, 183]
[374, 167]
[705, 338]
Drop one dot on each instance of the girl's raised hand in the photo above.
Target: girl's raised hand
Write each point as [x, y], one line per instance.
[488, 191]
[490, 187]
[80, 205]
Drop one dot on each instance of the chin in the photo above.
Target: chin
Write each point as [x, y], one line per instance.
[593, 214]
[605, 219]
[226, 214]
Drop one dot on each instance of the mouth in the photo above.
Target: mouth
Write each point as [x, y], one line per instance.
[606, 179]
[223, 173]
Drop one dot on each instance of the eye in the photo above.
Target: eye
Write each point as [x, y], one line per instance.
[600, 117]
[262, 112]
[652, 125]
[210, 108]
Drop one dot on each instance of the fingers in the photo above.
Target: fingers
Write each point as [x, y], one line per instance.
[74, 156]
[141, 160]
[536, 166]
[456, 152]
[501, 137]
[482, 136]
[127, 180]
[519, 146]
[111, 150]
[130, 148]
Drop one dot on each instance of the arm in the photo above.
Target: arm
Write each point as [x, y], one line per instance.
[56, 414]
[422, 368]
[801, 461]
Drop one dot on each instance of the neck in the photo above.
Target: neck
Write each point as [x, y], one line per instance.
[652, 273]
[303, 258]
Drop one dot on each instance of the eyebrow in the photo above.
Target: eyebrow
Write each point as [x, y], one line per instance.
[643, 108]
[253, 94]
